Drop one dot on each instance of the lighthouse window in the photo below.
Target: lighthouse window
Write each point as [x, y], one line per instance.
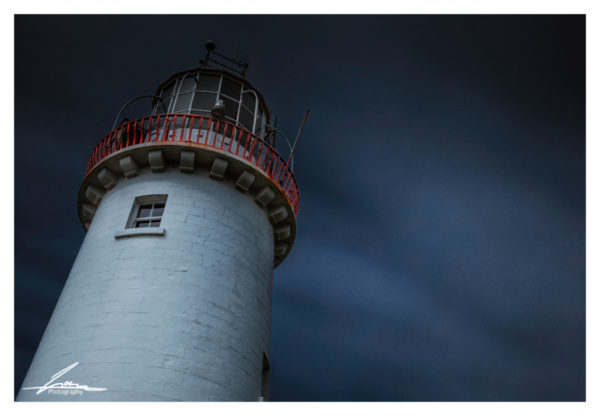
[258, 128]
[203, 101]
[187, 85]
[166, 95]
[149, 215]
[184, 95]
[183, 102]
[231, 89]
[231, 107]
[147, 211]
[246, 118]
[249, 101]
[208, 83]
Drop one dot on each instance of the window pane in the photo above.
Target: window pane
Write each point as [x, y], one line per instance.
[208, 83]
[166, 92]
[166, 105]
[188, 84]
[231, 88]
[249, 101]
[158, 210]
[142, 224]
[154, 223]
[183, 102]
[145, 211]
[246, 119]
[257, 130]
[250, 110]
[231, 107]
[204, 101]
[163, 106]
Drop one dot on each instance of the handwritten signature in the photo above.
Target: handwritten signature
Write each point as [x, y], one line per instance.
[66, 385]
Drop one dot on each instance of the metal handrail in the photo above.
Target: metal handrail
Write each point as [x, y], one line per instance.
[205, 132]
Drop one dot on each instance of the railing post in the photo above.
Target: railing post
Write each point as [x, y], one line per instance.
[182, 127]
[134, 131]
[216, 134]
[233, 133]
[157, 129]
[250, 153]
[206, 136]
[167, 124]
[224, 135]
[149, 131]
[191, 128]
[199, 129]
[237, 148]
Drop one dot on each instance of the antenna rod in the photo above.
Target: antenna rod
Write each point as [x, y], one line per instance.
[210, 48]
[297, 137]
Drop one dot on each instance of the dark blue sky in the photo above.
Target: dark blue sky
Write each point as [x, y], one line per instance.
[440, 252]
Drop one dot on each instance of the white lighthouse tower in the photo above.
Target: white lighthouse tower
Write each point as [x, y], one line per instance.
[187, 212]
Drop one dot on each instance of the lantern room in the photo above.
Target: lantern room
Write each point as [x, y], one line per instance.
[213, 92]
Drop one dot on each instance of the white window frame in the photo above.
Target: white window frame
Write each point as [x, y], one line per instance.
[140, 201]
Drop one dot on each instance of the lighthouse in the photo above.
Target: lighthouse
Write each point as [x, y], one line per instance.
[187, 211]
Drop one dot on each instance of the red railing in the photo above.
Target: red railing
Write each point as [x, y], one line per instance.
[205, 132]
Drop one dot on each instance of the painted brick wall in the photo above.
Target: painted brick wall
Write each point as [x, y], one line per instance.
[185, 316]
